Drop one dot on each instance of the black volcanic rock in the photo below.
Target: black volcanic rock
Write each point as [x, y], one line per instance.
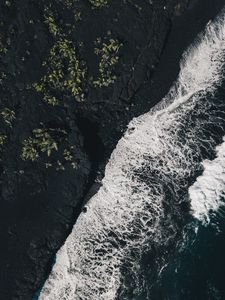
[40, 199]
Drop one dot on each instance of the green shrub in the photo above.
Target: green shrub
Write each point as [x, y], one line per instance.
[8, 115]
[98, 3]
[29, 151]
[65, 74]
[53, 27]
[3, 139]
[42, 141]
[108, 55]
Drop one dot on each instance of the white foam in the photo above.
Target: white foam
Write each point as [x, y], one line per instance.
[207, 192]
[126, 214]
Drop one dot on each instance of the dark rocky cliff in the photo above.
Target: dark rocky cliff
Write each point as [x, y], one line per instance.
[72, 75]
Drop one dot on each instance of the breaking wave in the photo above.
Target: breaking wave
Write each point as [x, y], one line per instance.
[145, 188]
[207, 193]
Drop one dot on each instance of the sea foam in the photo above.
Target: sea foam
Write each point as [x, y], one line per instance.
[208, 192]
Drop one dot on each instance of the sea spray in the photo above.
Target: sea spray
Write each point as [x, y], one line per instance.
[207, 193]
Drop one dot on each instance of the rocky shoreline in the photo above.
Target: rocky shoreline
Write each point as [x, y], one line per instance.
[43, 189]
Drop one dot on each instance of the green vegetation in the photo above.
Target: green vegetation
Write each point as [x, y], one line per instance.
[77, 16]
[8, 116]
[53, 27]
[108, 55]
[98, 3]
[46, 142]
[42, 141]
[65, 73]
[68, 155]
[29, 152]
[3, 139]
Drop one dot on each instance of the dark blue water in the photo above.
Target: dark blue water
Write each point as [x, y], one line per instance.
[196, 270]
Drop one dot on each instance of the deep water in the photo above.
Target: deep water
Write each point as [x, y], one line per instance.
[197, 270]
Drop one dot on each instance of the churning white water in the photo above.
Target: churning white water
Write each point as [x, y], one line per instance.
[158, 154]
[208, 192]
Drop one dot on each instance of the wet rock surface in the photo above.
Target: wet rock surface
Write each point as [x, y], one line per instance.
[47, 175]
